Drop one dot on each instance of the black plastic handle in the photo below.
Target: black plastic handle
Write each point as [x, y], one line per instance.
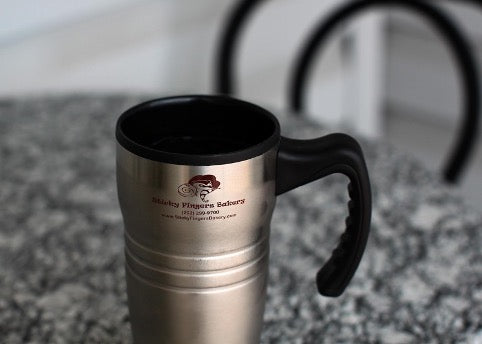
[304, 161]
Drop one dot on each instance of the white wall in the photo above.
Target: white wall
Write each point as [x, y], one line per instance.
[167, 47]
[114, 46]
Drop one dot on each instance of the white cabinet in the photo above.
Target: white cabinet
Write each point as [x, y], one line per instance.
[421, 76]
[423, 92]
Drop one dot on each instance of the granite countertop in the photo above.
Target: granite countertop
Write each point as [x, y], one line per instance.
[61, 241]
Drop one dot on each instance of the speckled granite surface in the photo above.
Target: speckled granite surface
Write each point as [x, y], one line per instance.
[62, 266]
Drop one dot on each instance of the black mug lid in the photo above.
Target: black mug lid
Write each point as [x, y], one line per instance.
[198, 130]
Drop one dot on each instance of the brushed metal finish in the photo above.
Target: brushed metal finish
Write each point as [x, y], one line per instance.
[227, 315]
[196, 264]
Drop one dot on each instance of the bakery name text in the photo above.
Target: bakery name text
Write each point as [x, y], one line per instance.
[189, 205]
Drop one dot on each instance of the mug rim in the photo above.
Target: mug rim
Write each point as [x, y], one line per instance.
[254, 150]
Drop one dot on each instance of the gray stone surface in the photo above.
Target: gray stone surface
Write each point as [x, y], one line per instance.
[62, 265]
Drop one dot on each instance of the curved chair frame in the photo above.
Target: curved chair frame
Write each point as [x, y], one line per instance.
[460, 47]
[455, 39]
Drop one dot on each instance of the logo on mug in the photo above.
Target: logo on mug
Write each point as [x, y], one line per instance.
[200, 185]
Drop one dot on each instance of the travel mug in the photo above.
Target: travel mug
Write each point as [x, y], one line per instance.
[197, 180]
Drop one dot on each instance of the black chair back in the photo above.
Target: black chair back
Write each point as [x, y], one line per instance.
[466, 64]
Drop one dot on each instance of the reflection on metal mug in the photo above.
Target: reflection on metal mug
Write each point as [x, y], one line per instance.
[197, 180]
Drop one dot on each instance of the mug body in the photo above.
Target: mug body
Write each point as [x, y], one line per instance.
[197, 219]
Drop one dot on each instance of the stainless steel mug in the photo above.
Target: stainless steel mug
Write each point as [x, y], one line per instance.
[197, 180]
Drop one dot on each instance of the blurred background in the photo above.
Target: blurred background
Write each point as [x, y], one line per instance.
[387, 74]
